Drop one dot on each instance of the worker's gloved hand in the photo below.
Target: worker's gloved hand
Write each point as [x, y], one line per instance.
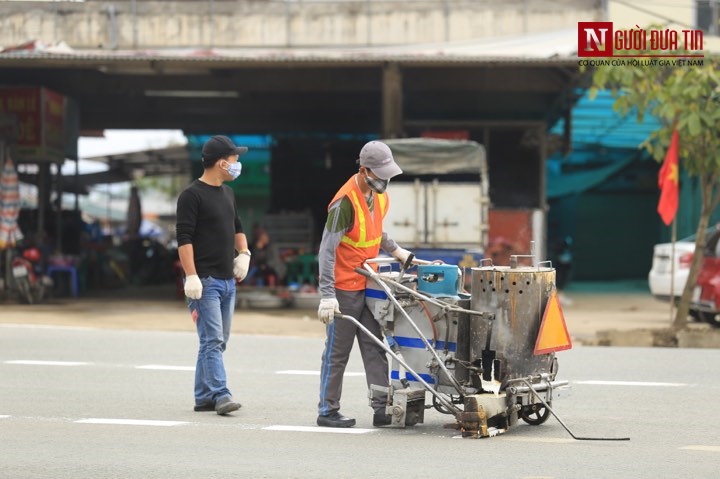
[401, 254]
[193, 287]
[327, 309]
[241, 263]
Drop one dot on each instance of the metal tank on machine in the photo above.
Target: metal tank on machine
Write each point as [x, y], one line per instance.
[518, 298]
[506, 360]
[422, 333]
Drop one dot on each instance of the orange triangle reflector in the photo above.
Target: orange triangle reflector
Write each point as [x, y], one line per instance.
[553, 335]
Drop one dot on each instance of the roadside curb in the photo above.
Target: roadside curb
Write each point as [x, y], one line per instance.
[693, 337]
[699, 338]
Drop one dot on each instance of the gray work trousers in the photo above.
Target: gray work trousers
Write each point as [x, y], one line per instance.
[338, 344]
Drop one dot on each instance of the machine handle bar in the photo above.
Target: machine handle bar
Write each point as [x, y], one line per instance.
[388, 260]
[363, 272]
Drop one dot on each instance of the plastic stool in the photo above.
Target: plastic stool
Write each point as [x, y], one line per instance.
[72, 270]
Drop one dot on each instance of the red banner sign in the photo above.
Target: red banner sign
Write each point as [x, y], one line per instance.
[39, 116]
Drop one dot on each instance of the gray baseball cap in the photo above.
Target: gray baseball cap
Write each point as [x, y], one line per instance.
[377, 157]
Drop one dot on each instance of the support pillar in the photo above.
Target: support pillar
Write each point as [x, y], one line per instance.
[59, 210]
[43, 201]
[392, 102]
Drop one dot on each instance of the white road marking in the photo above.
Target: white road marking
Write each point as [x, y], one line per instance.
[296, 372]
[630, 383]
[131, 422]
[334, 430]
[47, 363]
[701, 448]
[4, 416]
[547, 440]
[161, 367]
[553, 440]
[46, 326]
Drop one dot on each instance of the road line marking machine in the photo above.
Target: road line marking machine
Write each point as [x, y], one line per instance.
[486, 357]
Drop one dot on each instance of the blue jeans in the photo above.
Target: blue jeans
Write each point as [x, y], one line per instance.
[212, 314]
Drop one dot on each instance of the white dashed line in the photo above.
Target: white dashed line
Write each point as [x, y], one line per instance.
[4, 416]
[47, 363]
[333, 430]
[701, 448]
[47, 326]
[131, 422]
[296, 372]
[155, 423]
[630, 383]
[161, 367]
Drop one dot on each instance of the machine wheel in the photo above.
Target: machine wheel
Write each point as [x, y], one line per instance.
[711, 318]
[535, 414]
[412, 418]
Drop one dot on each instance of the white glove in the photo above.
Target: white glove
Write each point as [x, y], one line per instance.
[193, 287]
[327, 309]
[401, 254]
[241, 263]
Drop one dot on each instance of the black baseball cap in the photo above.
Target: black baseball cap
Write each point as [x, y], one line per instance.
[220, 146]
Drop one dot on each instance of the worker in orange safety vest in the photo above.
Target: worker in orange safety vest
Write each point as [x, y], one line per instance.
[354, 233]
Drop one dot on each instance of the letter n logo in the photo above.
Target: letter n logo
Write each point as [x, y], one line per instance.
[595, 39]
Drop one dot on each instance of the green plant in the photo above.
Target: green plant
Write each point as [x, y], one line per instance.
[682, 93]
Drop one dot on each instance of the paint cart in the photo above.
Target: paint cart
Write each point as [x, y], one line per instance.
[486, 357]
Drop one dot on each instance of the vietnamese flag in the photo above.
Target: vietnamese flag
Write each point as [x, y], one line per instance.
[668, 182]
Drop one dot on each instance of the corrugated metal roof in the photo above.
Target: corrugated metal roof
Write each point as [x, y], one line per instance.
[284, 59]
[603, 143]
[596, 124]
[540, 49]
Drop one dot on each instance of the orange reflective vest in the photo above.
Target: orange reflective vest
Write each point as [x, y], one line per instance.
[362, 241]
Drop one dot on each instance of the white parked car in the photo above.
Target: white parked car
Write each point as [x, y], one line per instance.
[661, 273]
[659, 277]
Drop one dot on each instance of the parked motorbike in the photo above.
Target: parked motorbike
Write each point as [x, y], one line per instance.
[29, 284]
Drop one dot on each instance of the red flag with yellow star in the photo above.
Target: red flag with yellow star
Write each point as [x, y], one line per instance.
[668, 182]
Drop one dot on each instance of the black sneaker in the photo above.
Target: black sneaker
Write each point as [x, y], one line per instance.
[204, 407]
[335, 419]
[381, 419]
[226, 405]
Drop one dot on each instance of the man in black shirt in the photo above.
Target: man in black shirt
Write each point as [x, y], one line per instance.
[208, 233]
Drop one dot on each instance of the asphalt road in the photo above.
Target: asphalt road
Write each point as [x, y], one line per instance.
[99, 403]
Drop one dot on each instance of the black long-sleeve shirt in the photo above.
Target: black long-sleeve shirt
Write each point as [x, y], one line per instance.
[207, 218]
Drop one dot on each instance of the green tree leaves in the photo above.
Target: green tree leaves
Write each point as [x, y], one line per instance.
[685, 96]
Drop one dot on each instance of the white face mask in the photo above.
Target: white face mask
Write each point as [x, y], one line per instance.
[234, 169]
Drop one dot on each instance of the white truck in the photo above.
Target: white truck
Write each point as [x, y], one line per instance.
[439, 205]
